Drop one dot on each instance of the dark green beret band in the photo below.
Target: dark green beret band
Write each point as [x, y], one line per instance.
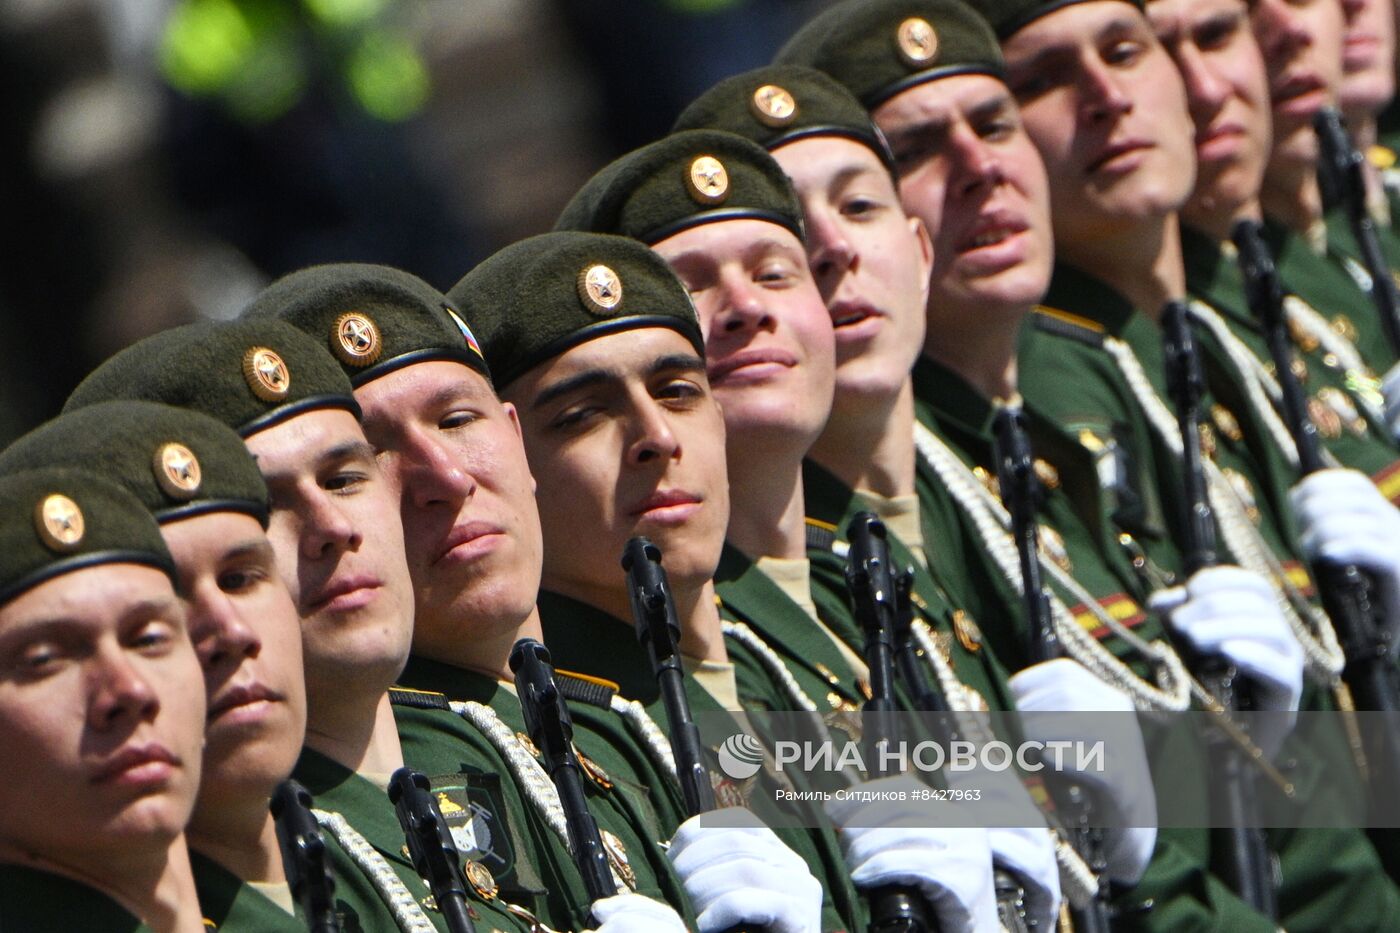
[880, 48]
[538, 298]
[780, 104]
[1010, 16]
[251, 374]
[671, 185]
[177, 462]
[373, 319]
[56, 520]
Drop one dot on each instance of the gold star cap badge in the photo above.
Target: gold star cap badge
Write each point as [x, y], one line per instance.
[355, 339]
[773, 106]
[59, 522]
[600, 289]
[266, 373]
[917, 42]
[708, 180]
[177, 470]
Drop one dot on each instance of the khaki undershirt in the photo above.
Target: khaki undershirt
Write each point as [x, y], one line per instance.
[717, 677]
[794, 578]
[901, 516]
[279, 892]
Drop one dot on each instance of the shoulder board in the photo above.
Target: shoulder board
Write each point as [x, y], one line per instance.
[821, 536]
[1064, 324]
[418, 699]
[582, 688]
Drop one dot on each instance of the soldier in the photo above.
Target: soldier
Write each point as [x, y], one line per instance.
[1226, 91]
[197, 480]
[617, 409]
[335, 533]
[968, 167]
[871, 262]
[472, 535]
[1302, 48]
[101, 713]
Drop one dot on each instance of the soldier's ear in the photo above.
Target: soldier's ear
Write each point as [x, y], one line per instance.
[920, 231]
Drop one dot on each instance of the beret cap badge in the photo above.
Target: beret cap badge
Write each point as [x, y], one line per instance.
[355, 339]
[177, 471]
[709, 181]
[599, 288]
[59, 522]
[773, 105]
[917, 41]
[266, 373]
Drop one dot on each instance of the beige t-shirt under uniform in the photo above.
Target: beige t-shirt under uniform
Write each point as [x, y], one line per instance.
[279, 892]
[794, 578]
[717, 677]
[901, 516]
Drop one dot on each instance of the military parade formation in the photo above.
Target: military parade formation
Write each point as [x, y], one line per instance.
[970, 363]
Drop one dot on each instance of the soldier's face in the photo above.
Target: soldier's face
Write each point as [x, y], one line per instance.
[1302, 45]
[1227, 92]
[769, 349]
[627, 440]
[1105, 106]
[968, 170]
[453, 452]
[1368, 55]
[248, 638]
[339, 543]
[101, 717]
[870, 260]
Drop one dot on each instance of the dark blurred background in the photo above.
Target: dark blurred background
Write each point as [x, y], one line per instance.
[165, 159]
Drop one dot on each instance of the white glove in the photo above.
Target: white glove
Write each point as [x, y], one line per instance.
[1234, 612]
[1390, 388]
[1029, 853]
[890, 842]
[1344, 518]
[633, 913]
[744, 875]
[1125, 784]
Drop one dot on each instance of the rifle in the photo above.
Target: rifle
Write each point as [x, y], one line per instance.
[1248, 867]
[430, 845]
[659, 632]
[1342, 177]
[872, 590]
[551, 729]
[304, 856]
[1020, 492]
[1349, 594]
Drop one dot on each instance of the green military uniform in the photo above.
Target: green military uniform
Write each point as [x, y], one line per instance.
[366, 807]
[229, 903]
[1066, 368]
[1344, 403]
[439, 741]
[1331, 282]
[587, 639]
[37, 901]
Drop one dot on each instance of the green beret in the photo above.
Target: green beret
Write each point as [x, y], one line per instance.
[880, 48]
[780, 104]
[250, 374]
[176, 461]
[57, 520]
[373, 319]
[538, 298]
[1009, 16]
[682, 181]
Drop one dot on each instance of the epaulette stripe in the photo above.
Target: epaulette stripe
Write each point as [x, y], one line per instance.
[418, 699]
[821, 536]
[1388, 482]
[583, 688]
[1064, 324]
